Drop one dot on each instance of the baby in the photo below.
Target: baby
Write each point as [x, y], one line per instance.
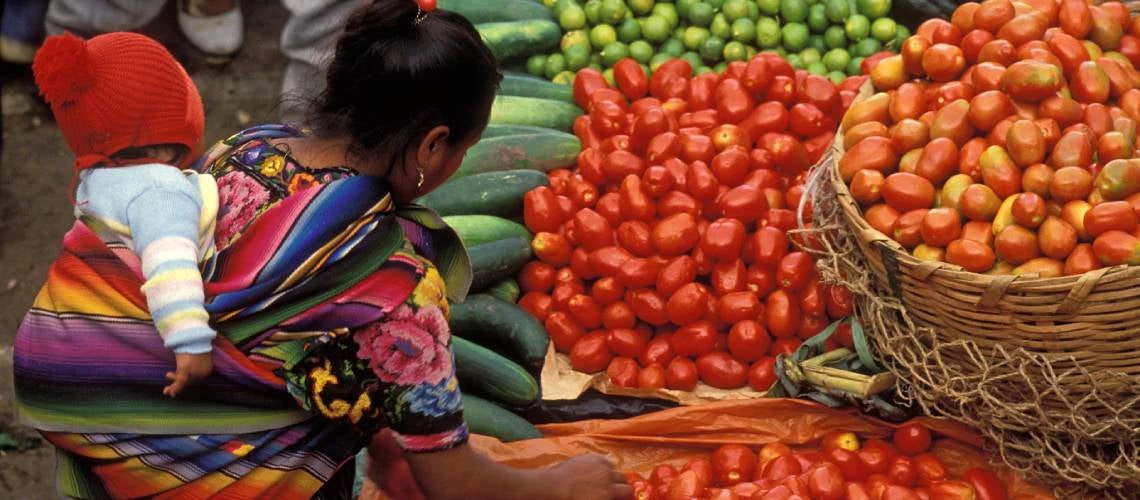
[133, 119]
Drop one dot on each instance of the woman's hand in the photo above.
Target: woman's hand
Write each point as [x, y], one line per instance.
[588, 477]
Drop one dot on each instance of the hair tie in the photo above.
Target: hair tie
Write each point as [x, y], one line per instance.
[423, 8]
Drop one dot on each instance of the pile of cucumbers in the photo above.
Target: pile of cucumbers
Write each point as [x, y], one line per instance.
[499, 348]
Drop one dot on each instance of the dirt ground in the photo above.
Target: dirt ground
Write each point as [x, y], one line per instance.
[35, 170]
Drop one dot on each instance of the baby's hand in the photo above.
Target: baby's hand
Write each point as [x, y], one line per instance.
[188, 368]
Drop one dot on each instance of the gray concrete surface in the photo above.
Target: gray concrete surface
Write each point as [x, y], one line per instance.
[35, 170]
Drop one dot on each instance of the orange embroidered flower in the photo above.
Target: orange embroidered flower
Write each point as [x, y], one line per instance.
[300, 182]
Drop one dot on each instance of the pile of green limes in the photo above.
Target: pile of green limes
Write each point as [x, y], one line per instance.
[825, 37]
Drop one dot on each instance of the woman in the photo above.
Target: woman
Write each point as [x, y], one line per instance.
[329, 294]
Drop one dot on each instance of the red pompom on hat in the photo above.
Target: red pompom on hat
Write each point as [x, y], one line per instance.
[118, 91]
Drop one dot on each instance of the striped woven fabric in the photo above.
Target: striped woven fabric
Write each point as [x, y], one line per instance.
[89, 366]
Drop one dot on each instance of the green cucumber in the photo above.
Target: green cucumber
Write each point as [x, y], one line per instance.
[514, 110]
[492, 193]
[477, 229]
[491, 322]
[483, 371]
[517, 39]
[494, 130]
[490, 11]
[506, 291]
[496, 261]
[544, 152]
[487, 418]
[529, 86]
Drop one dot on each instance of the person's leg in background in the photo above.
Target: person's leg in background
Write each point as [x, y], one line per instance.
[92, 17]
[307, 42]
[21, 30]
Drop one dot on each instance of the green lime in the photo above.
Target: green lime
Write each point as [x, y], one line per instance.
[884, 29]
[657, 60]
[735, 51]
[608, 74]
[837, 77]
[753, 11]
[853, 66]
[640, 7]
[768, 7]
[564, 78]
[735, 9]
[795, 61]
[577, 57]
[901, 34]
[719, 68]
[795, 36]
[816, 42]
[817, 68]
[720, 26]
[716, 4]
[693, 58]
[702, 70]
[548, 3]
[744, 30]
[836, 59]
[555, 64]
[866, 47]
[614, 52]
[645, 69]
[683, 7]
[593, 10]
[781, 51]
[673, 47]
[628, 31]
[562, 5]
[612, 12]
[835, 37]
[810, 55]
[573, 18]
[536, 65]
[575, 38]
[694, 37]
[873, 9]
[837, 10]
[596, 66]
[641, 51]
[596, 58]
[701, 14]
[667, 11]
[793, 11]
[858, 27]
[602, 35]
[655, 29]
[712, 50]
[750, 51]
[767, 33]
[817, 18]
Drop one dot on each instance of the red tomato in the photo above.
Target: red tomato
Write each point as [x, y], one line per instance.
[687, 304]
[592, 230]
[662, 474]
[748, 341]
[788, 154]
[703, 468]
[901, 471]
[681, 374]
[952, 490]
[739, 306]
[657, 180]
[618, 315]
[586, 82]
[808, 121]
[768, 117]
[731, 166]
[701, 92]
[647, 126]
[782, 467]
[623, 372]
[812, 302]
[729, 276]
[608, 261]
[686, 485]
[895, 492]
[795, 271]
[619, 164]
[675, 235]
[658, 351]
[563, 330]
[762, 374]
[607, 290]
[723, 239]
[849, 464]
[986, 484]
[677, 273]
[694, 339]
[818, 91]
[912, 439]
[536, 276]
[769, 246]
[877, 460]
[626, 342]
[541, 211]
[930, 469]
[673, 68]
[720, 370]
[652, 377]
[733, 103]
[648, 306]
[826, 482]
[744, 203]
[631, 79]
[537, 304]
[609, 207]
[839, 302]
[732, 463]
[590, 354]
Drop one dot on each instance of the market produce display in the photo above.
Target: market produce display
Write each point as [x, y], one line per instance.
[663, 258]
[1003, 141]
[828, 38]
[842, 467]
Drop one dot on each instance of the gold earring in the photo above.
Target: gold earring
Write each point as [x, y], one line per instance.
[420, 183]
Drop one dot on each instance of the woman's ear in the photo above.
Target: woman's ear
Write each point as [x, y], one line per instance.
[431, 150]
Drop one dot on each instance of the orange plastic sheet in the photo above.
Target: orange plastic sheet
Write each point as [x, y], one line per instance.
[679, 434]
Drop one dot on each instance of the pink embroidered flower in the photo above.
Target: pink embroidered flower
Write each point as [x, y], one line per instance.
[239, 197]
[408, 348]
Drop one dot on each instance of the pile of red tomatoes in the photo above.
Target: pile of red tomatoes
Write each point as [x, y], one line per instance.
[843, 468]
[664, 258]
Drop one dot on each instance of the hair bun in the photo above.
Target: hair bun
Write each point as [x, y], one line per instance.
[63, 69]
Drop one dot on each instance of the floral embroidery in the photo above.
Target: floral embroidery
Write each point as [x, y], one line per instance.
[337, 408]
[431, 291]
[301, 182]
[434, 401]
[408, 348]
[244, 198]
[273, 166]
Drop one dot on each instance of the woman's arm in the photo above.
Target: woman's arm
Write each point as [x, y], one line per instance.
[462, 473]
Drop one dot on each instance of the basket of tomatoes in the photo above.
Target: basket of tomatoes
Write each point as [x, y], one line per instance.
[990, 181]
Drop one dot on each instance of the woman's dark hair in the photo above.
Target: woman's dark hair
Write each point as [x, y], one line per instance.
[392, 79]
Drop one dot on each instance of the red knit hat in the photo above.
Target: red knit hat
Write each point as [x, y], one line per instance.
[118, 91]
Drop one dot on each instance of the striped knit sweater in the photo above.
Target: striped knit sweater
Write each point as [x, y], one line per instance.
[166, 217]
